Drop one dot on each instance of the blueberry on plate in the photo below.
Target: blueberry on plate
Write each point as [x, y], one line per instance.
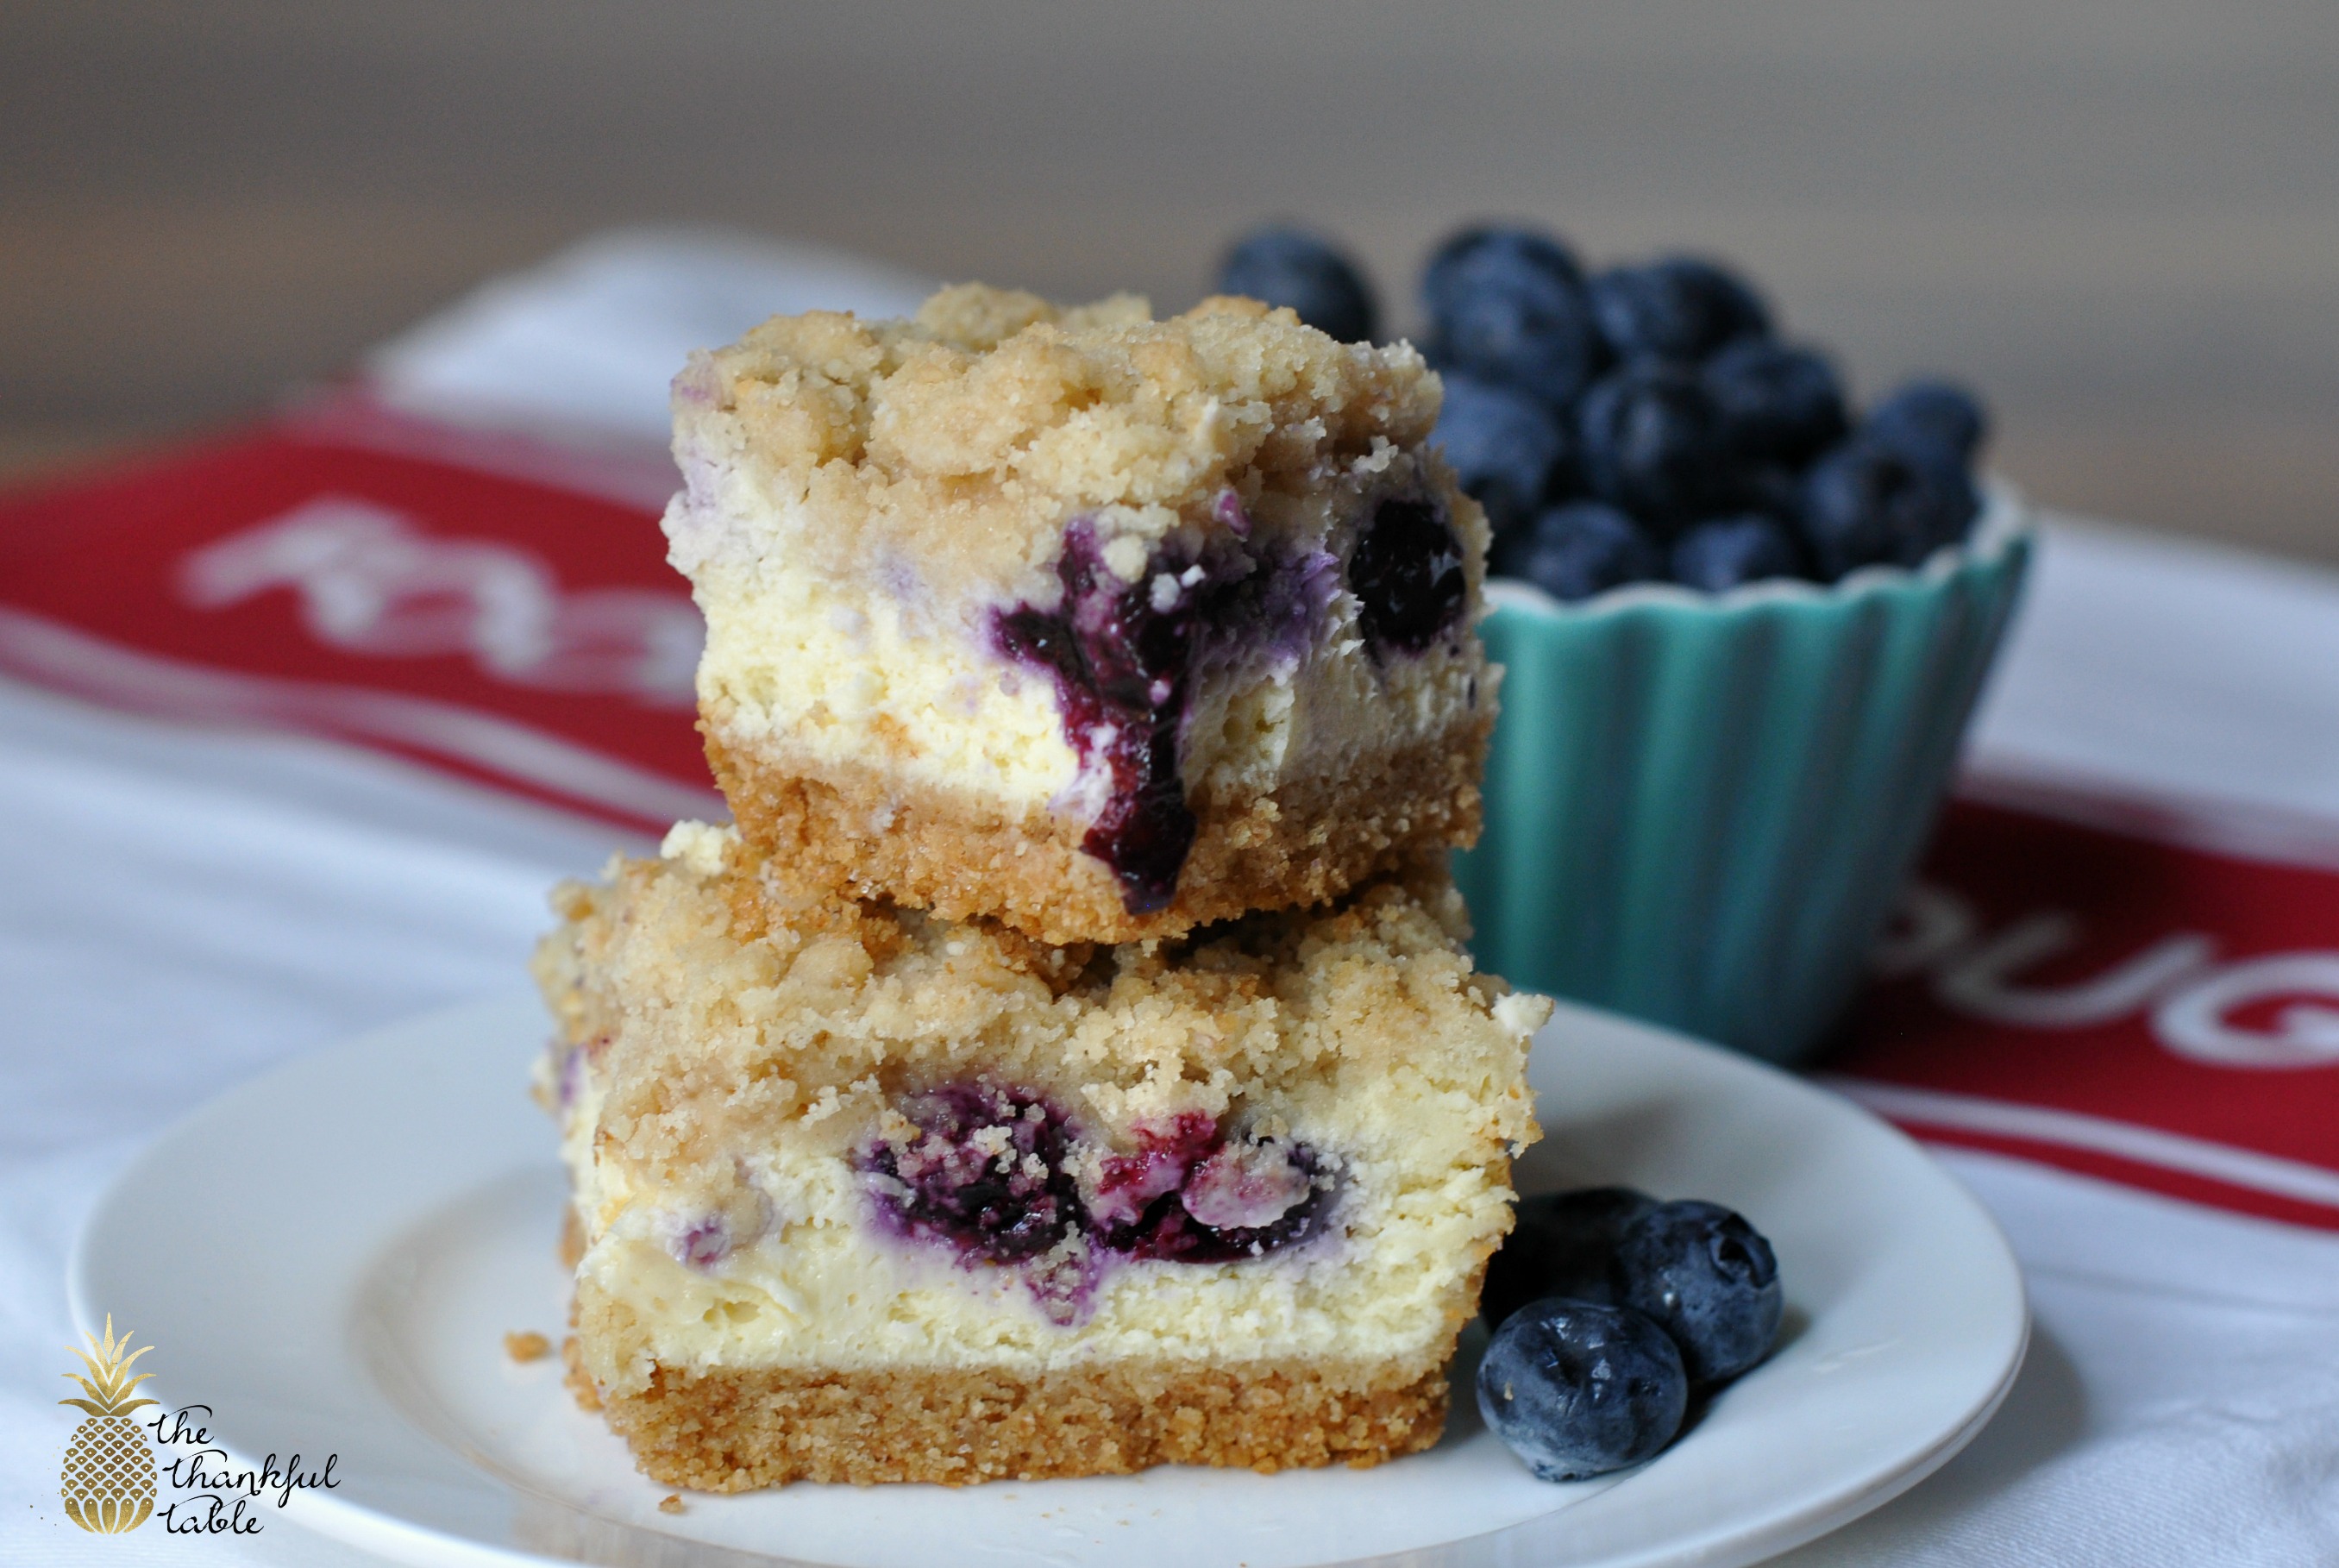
[1780, 403]
[1287, 266]
[1681, 308]
[1576, 550]
[1561, 1244]
[1508, 305]
[1504, 445]
[1576, 1389]
[1649, 439]
[1930, 419]
[1718, 554]
[1865, 503]
[1707, 1278]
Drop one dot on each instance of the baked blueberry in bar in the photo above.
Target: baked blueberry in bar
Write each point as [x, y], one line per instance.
[1098, 625]
[860, 1194]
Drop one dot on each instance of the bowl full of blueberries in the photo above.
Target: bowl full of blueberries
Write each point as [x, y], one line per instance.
[1743, 620]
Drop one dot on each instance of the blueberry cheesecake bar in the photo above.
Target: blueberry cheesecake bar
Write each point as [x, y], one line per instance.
[1101, 626]
[861, 1194]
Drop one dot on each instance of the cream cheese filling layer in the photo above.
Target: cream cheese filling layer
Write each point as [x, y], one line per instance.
[813, 669]
[824, 1285]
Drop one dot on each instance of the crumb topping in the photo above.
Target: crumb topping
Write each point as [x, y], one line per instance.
[738, 1006]
[993, 417]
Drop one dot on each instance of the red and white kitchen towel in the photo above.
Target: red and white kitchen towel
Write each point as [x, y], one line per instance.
[2120, 964]
[2109, 979]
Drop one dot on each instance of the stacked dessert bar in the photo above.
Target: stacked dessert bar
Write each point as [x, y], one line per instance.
[1067, 1062]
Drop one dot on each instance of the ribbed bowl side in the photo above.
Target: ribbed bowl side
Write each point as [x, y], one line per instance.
[1699, 811]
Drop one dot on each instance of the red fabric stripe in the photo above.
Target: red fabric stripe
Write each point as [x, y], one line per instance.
[458, 569]
[2157, 1178]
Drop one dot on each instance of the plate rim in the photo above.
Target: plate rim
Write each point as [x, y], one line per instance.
[406, 1539]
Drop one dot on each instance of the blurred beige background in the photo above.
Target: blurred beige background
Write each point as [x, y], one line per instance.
[2120, 217]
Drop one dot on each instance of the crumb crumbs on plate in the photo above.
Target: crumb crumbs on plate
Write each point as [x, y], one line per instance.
[670, 1504]
[527, 1346]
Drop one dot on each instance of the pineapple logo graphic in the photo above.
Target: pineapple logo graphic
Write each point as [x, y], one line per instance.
[109, 1478]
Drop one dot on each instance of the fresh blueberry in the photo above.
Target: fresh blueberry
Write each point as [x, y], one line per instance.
[1718, 555]
[1649, 439]
[1707, 1278]
[1562, 1244]
[1577, 1389]
[1922, 418]
[1771, 490]
[1508, 305]
[1780, 404]
[1681, 308]
[1864, 503]
[1576, 550]
[1470, 258]
[1406, 573]
[1504, 445]
[1292, 267]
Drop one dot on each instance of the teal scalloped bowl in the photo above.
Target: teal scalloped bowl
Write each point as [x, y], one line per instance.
[1700, 808]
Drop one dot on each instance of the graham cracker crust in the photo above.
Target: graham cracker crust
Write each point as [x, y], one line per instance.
[855, 832]
[734, 1430]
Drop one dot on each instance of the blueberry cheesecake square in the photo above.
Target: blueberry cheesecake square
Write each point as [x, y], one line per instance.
[860, 1194]
[1101, 626]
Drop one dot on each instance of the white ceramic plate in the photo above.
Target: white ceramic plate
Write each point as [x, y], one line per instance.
[329, 1258]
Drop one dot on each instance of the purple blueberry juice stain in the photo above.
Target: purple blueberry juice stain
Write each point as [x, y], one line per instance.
[575, 1061]
[1273, 614]
[572, 1078]
[703, 1242]
[986, 1170]
[568, 1076]
[1231, 517]
[1126, 656]
[1129, 1185]
[1246, 1187]
[1406, 573]
[1279, 1189]
[1121, 654]
[704, 1239]
[1191, 1194]
[694, 383]
[989, 1172]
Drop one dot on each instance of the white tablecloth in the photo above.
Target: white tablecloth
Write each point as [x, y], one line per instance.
[180, 909]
